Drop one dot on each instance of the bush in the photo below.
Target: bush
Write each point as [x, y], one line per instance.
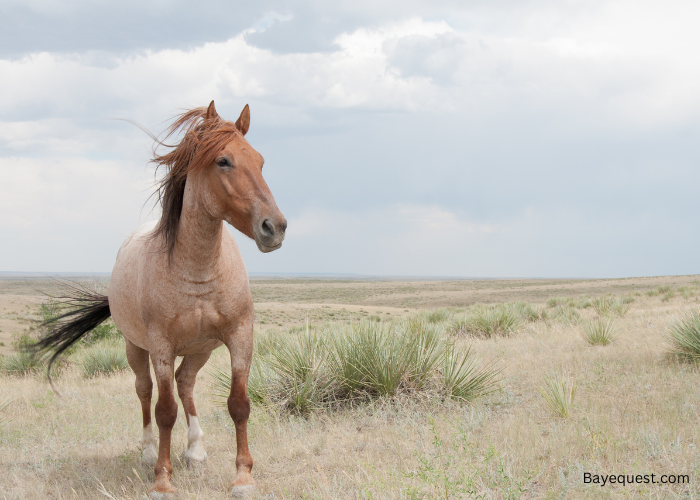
[105, 360]
[683, 337]
[606, 305]
[565, 314]
[488, 321]
[558, 395]
[362, 360]
[21, 363]
[599, 332]
[463, 380]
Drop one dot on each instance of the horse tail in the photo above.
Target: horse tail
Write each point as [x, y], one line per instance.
[87, 310]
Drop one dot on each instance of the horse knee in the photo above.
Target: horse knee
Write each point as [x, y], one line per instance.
[144, 388]
[166, 412]
[239, 406]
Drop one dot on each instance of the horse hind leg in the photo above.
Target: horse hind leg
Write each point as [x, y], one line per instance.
[138, 360]
[185, 377]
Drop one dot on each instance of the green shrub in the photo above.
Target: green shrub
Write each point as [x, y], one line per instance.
[607, 305]
[683, 337]
[299, 366]
[560, 301]
[599, 332]
[21, 363]
[488, 321]
[462, 379]
[357, 361]
[104, 360]
[668, 296]
[558, 394]
[565, 314]
[436, 315]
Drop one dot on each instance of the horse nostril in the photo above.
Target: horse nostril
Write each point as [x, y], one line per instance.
[267, 229]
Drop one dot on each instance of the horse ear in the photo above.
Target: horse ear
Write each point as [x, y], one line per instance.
[211, 111]
[243, 122]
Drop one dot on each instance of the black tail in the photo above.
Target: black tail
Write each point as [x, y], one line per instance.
[87, 310]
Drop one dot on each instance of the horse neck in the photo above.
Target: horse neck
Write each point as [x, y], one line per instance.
[196, 254]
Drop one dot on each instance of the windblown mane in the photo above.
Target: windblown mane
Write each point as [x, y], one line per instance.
[203, 138]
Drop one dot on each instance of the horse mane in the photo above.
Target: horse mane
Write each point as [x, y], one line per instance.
[202, 139]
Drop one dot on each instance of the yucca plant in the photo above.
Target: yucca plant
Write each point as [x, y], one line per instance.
[528, 312]
[260, 383]
[299, 366]
[463, 379]
[105, 360]
[606, 305]
[488, 321]
[565, 314]
[558, 394]
[683, 336]
[599, 331]
[436, 315]
[424, 349]
[21, 363]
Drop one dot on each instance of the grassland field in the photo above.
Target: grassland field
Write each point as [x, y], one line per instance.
[635, 411]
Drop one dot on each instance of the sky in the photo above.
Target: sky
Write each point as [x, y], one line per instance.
[499, 138]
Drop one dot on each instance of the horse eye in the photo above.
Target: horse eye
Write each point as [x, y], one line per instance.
[223, 162]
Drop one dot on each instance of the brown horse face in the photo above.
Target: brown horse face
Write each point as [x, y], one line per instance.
[240, 195]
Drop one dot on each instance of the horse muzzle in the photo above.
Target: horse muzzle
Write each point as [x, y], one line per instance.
[269, 233]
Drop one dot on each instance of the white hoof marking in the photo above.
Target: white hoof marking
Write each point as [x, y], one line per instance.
[149, 446]
[155, 495]
[242, 492]
[195, 443]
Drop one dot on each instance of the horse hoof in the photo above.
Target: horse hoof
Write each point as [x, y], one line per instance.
[195, 465]
[157, 495]
[244, 492]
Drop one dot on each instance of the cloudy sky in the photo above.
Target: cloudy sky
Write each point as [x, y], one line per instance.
[485, 138]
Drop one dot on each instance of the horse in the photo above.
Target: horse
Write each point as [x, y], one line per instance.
[179, 287]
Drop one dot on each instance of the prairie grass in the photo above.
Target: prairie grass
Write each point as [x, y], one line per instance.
[606, 305]
[558, 394]
[104, 360]
[20, 364]
[4, 404]
[565, 314]
[599, 331]
[361, 361]
[683, 336]
[489, 321]
[635, 412]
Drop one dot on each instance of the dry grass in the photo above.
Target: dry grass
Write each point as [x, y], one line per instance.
[636, 413]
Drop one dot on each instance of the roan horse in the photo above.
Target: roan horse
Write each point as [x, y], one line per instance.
[180, 288]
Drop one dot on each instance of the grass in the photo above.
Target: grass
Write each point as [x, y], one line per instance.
[606, 305]
[489, 321]
[336, 365]
[683, 337]
[104, 360]
[20, 364]
[3, 405]
[634, 411]
[599, 331]
[558, 395]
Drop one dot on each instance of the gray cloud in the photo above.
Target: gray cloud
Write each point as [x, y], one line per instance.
[122, 27]
[437, 57]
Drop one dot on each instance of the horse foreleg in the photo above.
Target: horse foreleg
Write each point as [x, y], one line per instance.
[239, 409]
[166, 414]
[185, 376]
[138, 360]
